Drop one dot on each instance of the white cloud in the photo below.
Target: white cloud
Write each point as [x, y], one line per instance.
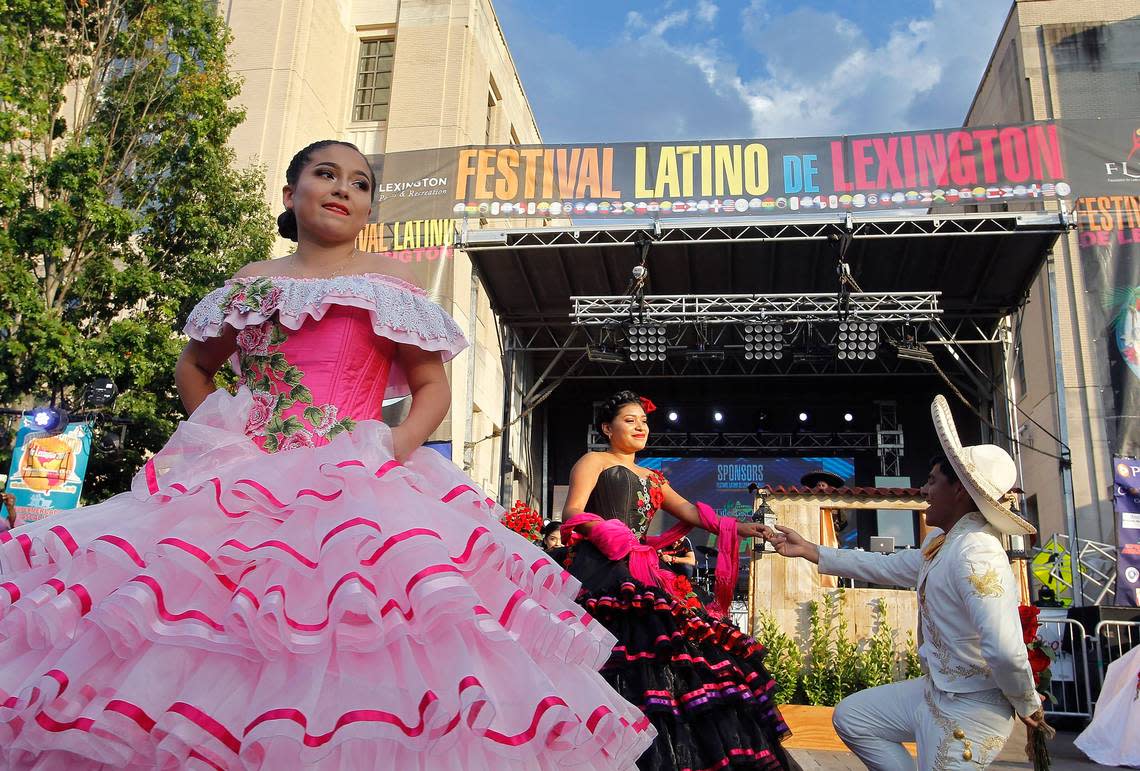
[823, 75]
[805, 72]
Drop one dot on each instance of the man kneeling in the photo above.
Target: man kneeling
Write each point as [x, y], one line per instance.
[976, 670]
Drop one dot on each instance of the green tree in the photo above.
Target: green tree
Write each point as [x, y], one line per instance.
[120, 205]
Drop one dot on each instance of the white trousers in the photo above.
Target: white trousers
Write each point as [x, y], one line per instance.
[953, 731]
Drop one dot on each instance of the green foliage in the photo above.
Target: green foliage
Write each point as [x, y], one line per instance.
[835, 666]
[848, 660]
[912, 664]
[119, 203]
[819, 670]
[880, 663]
[782, 658]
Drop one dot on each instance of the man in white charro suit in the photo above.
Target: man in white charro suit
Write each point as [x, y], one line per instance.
[976, 670]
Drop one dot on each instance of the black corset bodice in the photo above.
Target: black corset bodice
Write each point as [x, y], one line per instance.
[620, 494]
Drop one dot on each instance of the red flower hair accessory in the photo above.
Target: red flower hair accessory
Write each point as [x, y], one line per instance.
[647, 405]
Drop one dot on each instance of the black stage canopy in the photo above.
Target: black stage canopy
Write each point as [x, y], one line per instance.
[982, 264]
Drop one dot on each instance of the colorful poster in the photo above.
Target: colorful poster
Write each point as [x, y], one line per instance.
[1109, 238]
[47, 470]
[1126, 503]
[917, 170]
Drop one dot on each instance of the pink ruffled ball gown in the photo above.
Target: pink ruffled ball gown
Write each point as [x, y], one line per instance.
[277, 591]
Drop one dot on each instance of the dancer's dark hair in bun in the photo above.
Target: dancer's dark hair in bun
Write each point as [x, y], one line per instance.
[287, 220]
[610, 408]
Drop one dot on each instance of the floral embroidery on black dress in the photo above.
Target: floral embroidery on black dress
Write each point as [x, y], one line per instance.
[649, 500]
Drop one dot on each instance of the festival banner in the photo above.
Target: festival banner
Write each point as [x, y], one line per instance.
[917, 170]
[1109, 239]
[47, 470]
[1126, 504]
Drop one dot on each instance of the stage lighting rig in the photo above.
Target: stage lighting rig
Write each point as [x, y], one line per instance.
[857, 340]
[647, 342]
[763, 341]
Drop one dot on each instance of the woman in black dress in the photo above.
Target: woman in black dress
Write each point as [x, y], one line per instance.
[698, 678]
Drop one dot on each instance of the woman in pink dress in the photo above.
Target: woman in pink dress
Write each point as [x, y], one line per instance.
[290, 583]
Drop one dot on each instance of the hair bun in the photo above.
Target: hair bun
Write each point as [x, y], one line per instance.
[287, 224]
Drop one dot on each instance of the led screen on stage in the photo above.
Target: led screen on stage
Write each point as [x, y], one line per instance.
[723, 482]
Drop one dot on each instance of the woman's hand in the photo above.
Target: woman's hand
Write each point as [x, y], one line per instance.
[667, 559]
[752, 530]
[403, 443]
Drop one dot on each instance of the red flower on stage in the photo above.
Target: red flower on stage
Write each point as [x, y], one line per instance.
[525, 521]
[656, 494]
[647, 405]
[1038, 661]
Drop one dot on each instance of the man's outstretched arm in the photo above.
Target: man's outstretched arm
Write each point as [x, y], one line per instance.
[898, 569]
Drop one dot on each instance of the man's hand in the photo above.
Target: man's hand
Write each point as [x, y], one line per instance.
[789, 543]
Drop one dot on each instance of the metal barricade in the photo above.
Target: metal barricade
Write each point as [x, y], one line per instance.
[1112, 639]
[1069, 686]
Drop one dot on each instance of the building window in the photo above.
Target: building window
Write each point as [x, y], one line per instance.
[492, 108]
[373, 80]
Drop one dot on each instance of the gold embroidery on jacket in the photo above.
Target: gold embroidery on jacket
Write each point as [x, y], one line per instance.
[942, 651]
[987, 584]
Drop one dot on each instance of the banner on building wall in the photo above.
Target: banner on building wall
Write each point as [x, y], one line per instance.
[47, 470]
[915, 170]
[1126, 504]
[1109, 239]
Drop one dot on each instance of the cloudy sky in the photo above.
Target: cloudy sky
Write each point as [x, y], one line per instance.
[697, 69]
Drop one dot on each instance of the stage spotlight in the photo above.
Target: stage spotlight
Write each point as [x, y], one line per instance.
[647, 343]
[49, 419]
[857, 340]
[672, 416]
[603, 355]
[100, 392]
[803, 417]
[718, 416]
[848, 417]
[763, 341]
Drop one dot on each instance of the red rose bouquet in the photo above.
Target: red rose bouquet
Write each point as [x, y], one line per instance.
[525, 521]
[1040, 657]
[1040, 654]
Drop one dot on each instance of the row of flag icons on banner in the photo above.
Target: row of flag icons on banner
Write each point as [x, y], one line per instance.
[742, 205]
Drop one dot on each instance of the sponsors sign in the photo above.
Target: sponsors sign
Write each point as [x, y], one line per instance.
[1126, 503]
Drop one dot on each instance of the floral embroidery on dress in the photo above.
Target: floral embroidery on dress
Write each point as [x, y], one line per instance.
[278, 386]
[649, 499]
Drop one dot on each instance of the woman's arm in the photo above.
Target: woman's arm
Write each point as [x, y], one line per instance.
[199, 362]
[675, 504]
[583, 478]
[431, 398]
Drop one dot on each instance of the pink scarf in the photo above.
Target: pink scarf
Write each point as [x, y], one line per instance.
[615, 541]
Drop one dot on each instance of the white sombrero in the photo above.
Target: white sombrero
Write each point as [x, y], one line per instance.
[986, 471]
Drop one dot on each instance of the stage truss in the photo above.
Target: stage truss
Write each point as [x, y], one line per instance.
[704, 329]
